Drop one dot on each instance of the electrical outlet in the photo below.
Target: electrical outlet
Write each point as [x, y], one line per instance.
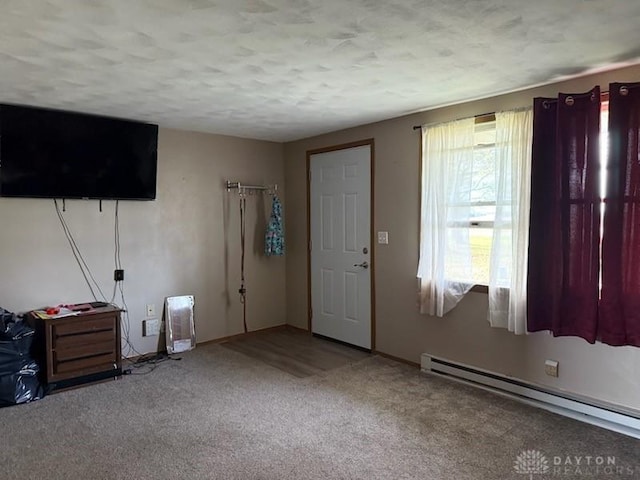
[551, 368]
[151, 310]
[383, 238]
[150, 327]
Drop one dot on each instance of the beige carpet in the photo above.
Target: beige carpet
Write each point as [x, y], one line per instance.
[218, 414]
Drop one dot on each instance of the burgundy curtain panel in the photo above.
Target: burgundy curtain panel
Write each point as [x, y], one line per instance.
[544, 282]
[564, 232]
[619, 314]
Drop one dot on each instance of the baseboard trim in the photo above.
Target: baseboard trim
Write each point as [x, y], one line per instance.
[396, 359]
[595, 413]
[243, 335]
[297, 329]
[340, 342]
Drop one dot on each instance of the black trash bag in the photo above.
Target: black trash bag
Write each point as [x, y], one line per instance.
[18, 370]
[19, 383]
[5, 317]
[16, 338]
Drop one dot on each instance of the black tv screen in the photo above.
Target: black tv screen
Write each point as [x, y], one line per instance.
[54, 154]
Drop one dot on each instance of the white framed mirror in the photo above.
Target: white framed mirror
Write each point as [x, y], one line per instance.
[181, 332]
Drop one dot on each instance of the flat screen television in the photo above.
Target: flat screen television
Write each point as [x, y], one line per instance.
[54, 154]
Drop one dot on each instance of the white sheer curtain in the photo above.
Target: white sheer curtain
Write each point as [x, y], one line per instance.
[509, 248]
[445, 254]
[462, 185]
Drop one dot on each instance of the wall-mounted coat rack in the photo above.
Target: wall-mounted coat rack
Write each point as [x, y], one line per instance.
[251, 189]
[243, 191]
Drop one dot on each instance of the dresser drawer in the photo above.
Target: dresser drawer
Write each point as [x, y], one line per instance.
[82, 339]
[83, 366]
[80, 326]
[78, 352]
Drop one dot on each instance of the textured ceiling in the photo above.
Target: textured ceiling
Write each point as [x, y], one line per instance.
[287, 69]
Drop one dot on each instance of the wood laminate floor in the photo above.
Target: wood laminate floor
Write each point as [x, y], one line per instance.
[297, 353]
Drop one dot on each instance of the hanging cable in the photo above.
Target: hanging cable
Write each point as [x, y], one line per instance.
[243, 291]
[119, 286]
[84, 268]
[116, 250]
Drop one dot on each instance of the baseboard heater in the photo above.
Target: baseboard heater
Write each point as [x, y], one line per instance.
[596, 413]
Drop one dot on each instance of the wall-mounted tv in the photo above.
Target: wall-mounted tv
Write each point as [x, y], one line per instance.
[54, 154]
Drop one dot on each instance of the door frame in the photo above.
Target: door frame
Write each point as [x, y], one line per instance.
[344, 146]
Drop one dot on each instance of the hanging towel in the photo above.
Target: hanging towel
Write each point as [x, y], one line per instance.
[274, 238]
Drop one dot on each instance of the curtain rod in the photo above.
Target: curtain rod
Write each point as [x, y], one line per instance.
[604, 95]
[477, 117]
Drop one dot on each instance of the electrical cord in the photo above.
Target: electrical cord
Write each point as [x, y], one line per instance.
[116, 230]
[126, 323]
[149, 361]
[84, 268]
[116, 258]
[116, 249]
[119, 285]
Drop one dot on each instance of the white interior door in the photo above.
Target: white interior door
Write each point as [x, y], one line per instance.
[340, 202]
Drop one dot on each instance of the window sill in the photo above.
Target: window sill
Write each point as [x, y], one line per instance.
[474, 288]
[480, 289]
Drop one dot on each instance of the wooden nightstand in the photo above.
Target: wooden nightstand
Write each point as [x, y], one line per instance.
[78, 349]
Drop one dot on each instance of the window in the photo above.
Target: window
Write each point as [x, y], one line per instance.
[477, 203]
[480, 201]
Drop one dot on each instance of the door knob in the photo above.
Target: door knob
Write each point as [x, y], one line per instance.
[364, 264]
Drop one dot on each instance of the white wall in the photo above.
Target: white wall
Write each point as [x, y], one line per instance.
[604, 373]
[185, 242]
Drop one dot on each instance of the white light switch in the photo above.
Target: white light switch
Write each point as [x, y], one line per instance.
[383, 238]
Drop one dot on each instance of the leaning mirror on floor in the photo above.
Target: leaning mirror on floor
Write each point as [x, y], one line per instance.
[181, 333]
